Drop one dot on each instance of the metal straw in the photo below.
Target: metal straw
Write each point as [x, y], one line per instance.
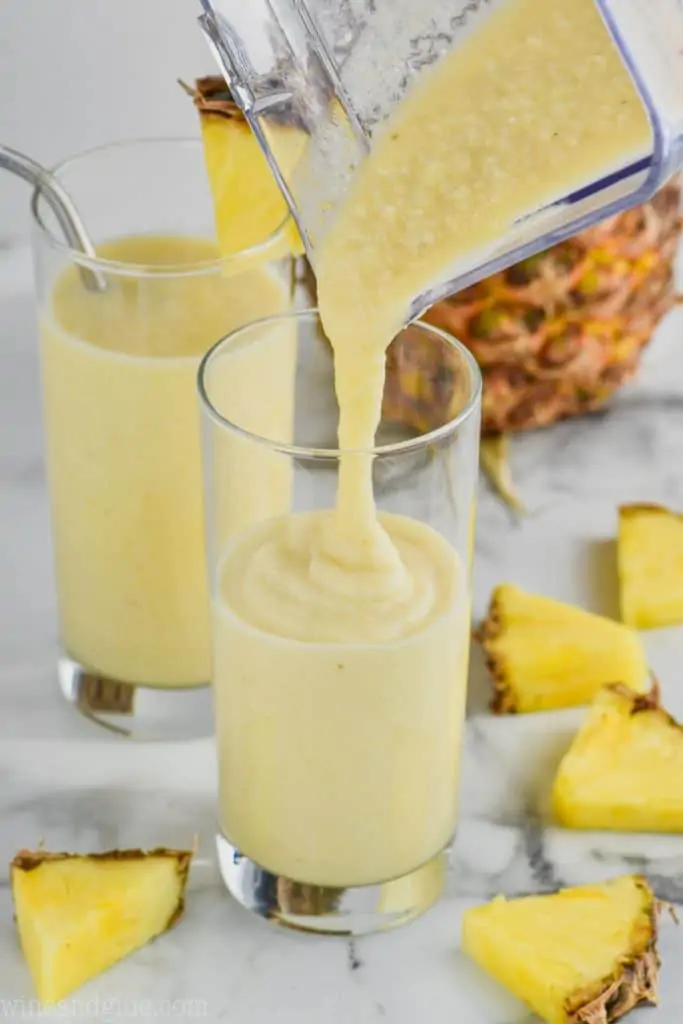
[62, 206]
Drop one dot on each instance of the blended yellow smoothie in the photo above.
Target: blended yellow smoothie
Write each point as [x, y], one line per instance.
[339, 715]
[123, 452]
[341, 638]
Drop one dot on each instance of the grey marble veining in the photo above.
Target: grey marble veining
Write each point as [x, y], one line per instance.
[64, 782]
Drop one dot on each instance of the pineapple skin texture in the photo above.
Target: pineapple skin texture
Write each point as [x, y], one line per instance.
[79, 915]
[650, 566]
[557, 334]
[544, 654]
[624, 769]
[571, 951]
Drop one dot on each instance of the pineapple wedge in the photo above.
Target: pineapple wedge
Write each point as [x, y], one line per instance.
[586, 955]
[650, 561]
[543, 654]
[624, 770]
[77, 915]
[249, 206]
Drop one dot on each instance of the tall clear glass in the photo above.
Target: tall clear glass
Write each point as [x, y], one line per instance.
[122, 427]
[338, 757]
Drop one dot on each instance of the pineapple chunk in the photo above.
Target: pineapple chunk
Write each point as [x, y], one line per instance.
[249, 206]
[650, 560]
[586, 955]
[624, 770]
[77, 915]
[544, 654]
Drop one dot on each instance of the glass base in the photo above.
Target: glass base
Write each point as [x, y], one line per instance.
[139, 712]
[357, 910]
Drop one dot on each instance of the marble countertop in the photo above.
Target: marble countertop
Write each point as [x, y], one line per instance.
[67, 783]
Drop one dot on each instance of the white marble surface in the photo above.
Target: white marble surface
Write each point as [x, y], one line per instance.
[64, 782]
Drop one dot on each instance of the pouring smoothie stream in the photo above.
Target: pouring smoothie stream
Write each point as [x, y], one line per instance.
[353, 614]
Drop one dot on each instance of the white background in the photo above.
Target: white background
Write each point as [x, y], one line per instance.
[79, 73]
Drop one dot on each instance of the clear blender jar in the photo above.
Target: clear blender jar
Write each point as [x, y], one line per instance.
[334, 71]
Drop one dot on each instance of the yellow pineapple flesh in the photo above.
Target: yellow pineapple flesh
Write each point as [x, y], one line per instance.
[624, 769]
[650, 562]
[543, 654]
[585, 955]
[248, 205]
[78, 915]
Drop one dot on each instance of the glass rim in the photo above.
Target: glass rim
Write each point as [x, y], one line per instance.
[311, 452]
[259, 249]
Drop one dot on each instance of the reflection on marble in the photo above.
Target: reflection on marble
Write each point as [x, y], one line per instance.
[64, 782]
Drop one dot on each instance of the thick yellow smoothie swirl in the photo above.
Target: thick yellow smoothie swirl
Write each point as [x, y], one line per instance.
[283, 582]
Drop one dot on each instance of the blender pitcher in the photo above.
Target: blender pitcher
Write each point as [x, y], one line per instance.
[318, 79]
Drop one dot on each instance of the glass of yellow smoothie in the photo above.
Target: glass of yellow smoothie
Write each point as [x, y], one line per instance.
[340, 629]
[122, 425]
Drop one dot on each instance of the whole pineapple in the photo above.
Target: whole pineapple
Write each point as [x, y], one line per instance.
[557, 334]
